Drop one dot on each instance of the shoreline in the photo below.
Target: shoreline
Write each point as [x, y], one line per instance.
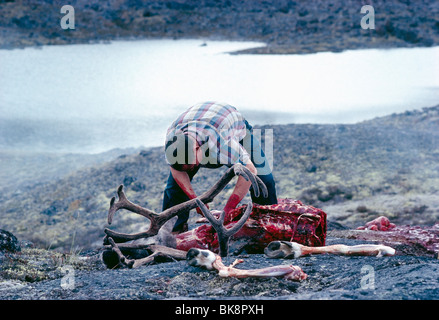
[287, 27]
[265, 49]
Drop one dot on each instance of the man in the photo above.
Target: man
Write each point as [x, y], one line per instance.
[211, 135]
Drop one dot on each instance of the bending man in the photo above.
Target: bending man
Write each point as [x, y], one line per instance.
[211, 135]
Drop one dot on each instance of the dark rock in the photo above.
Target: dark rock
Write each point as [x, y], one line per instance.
[331, 193]
[303, 12]
[54, 208]
[8, 242]
[128, 180]
[138, 186]
[362, 209]
[410, 36]
[25, 22]
[50, 211]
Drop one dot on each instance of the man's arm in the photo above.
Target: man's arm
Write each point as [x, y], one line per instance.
[241, 189]
[183, 181]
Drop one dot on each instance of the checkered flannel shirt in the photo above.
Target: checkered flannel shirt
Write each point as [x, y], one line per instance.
[218, 125]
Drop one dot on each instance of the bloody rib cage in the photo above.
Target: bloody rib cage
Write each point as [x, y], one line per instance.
[289, 220]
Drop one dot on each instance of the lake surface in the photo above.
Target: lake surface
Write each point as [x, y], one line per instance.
[92, 98]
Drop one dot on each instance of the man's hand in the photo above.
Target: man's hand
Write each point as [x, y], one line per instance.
[241, 189]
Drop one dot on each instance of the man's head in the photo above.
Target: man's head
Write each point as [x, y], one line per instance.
[183, 152]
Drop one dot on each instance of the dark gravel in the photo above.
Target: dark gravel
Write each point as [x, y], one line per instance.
[399, 277]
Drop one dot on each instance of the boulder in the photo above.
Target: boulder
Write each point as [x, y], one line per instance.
[8, 242]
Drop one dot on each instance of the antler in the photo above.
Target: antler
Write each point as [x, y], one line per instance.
[285, 249]
[124, 203]
[158, 220]
[223, 233]
[158, 251]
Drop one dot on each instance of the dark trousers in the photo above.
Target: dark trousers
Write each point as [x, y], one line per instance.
[173, 194]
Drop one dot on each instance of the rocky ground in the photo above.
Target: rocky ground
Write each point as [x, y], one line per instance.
[387, 166]
[285, 26]
[329, 277]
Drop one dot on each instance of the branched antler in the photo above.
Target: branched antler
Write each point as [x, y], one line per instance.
[122, 259]
[222, 232]
[158, 252]
[158, 220]
[124, 203]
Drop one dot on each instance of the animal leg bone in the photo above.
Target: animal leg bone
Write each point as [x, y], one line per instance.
[285, 249]
[210, 261]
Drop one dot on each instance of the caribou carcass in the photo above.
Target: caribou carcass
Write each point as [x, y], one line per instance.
[252, 225]
[114, 239]
[288, 220]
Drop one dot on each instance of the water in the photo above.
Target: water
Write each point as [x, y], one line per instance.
[92, 98]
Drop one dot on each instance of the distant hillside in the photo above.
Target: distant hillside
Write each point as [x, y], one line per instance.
[322, 165]
[21, 168]
[300, 26]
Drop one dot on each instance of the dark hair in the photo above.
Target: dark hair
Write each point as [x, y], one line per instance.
[179, 151]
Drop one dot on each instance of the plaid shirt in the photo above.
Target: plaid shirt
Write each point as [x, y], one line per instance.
[217, 127]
